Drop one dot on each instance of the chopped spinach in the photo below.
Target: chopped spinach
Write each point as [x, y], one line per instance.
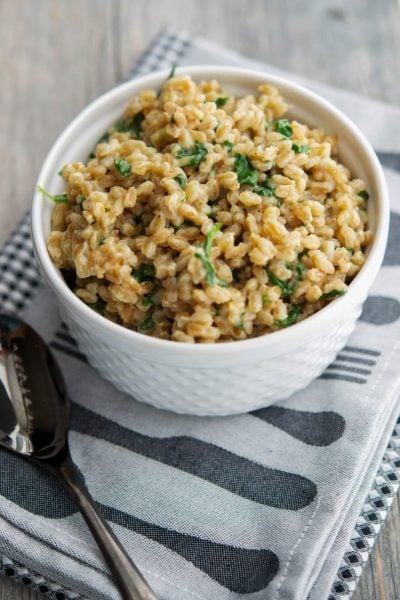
[191, 157]
[171, 74]
[134, 126]
[203, 254]
[144, 273]
[301, 149]
[123, 167]
[181, 180]
[102, 239]
[333, 294]
[228, 145]
[209, 238]
[241, 325]
[283, 127]
[265, 299]
[266, 188]
[146, 324]
[147, 299]
[292, 317]
[208, 267]
[221, 101]
[288, 286]
[99, 305]
[363, 194]
[57, 198]
[121, 126]
[246, 173]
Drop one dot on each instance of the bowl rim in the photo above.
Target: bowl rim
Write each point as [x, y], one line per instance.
[296, 333]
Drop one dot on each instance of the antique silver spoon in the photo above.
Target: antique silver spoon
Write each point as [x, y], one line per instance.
[34, 421]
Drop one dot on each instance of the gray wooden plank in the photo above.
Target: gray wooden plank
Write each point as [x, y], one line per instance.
[350, 44]
[57, 56]
[13, 591]
[50, 68]
[381, 580]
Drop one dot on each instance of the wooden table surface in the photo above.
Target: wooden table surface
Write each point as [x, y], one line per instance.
[56, 56]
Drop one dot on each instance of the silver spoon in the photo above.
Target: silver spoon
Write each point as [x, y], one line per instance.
[34, 421]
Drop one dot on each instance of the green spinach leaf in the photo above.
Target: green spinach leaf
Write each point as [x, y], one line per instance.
[134, 126]
[181, 180]
[144, 273]
[288, 286]
[57, 198]
[147, 324]
[266, 188]
[123, 167]
[246, 173]
[283, 127]
[333, 294]
[300, 149]
[203, 254]
[221, 101]
[228, 145]
[191, 157]
[363, 194]
[292, 317]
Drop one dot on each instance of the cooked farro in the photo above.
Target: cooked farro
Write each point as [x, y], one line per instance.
[201, 217]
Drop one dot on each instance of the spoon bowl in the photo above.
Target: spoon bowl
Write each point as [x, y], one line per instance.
[34, 422]
[34, 406]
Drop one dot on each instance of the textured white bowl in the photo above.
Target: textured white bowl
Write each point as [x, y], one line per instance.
[232, 377]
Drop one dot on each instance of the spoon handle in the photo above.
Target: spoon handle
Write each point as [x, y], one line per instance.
[130, 582]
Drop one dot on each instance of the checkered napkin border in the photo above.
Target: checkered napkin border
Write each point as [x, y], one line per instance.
[19, 279]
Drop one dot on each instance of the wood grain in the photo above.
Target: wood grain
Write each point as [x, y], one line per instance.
[57, 56]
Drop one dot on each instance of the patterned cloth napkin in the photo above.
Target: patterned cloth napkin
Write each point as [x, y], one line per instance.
[281, 503]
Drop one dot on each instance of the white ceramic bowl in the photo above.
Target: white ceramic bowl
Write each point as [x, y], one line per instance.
[231, 377]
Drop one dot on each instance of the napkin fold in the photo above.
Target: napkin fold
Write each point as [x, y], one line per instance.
[281, 503]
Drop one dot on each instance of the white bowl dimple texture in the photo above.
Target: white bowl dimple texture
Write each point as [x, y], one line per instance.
[214, 391]
[227, 378]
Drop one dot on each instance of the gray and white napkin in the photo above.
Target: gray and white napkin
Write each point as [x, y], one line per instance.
[280, 504]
